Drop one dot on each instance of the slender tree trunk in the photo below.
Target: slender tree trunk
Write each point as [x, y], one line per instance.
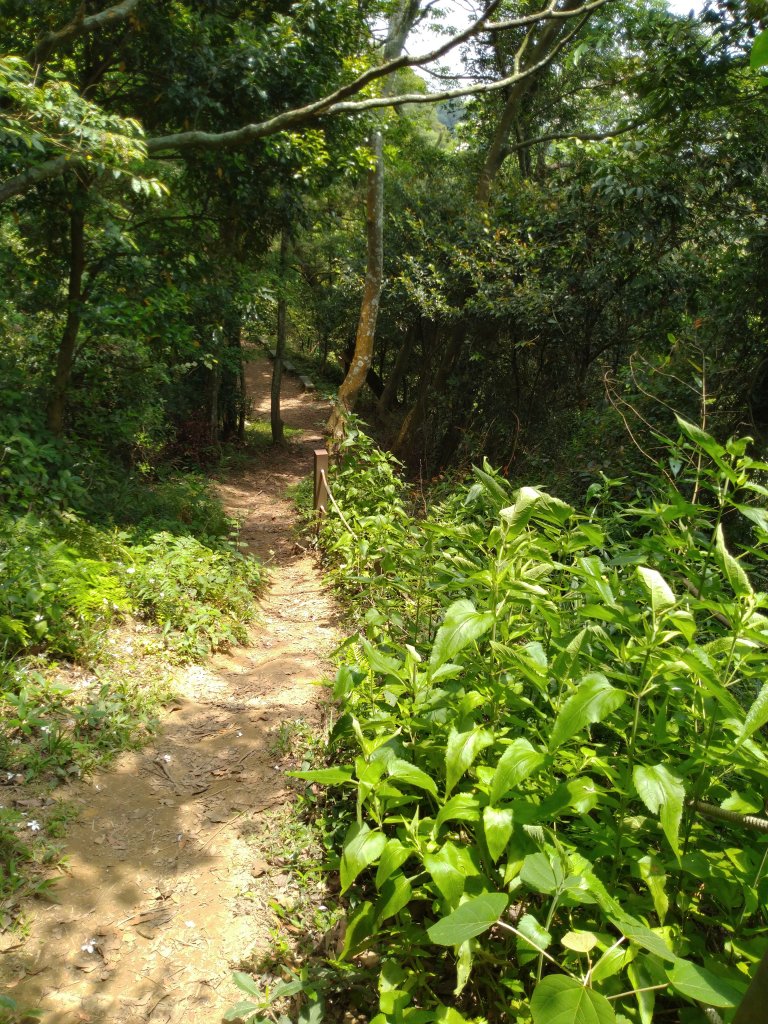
[543, 39]
[278, 436]
[369, 310]
[400, 23]
[57, 402]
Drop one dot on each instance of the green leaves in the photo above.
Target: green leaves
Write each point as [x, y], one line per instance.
[361, 848]
[462, 624]
[461, 751]
[757, 716]
[758, 58]
[663, 794]
[658, 589]
[519, 760]
[703, 986]
[472, 918]
[593, 701]
[595, 696]
[561, 1000]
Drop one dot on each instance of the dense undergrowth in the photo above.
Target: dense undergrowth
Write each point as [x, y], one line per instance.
[550, 731]
[108, 578]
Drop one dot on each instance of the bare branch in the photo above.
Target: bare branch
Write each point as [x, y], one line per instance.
[34, 175]
[581, 136]
[79, 26]
[550, 14]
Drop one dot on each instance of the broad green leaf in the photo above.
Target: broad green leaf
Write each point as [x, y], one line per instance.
[594, 576]
[395, 894]
[702, 985]
[240, 1011]
[558, 999]
[654, 876]
[326, 776]
[593, 701]
[360, 927]
[539, 938]
[731, 566]
[700, 437]
[541, 873]
[663, 794]
[393, 856]
[758, 58]
[246, 984]
[406, 772]
[757, 715]
[517, 516]
[450, 867]
[461, 751]
[579, 942]
[462, 624]
[658, 589]
[462, 807]
[642, 982]
[465, 954]
[497, 825]
[361, 848]
[379, 662]
[519, 760]
[643, 936]
[472, 918]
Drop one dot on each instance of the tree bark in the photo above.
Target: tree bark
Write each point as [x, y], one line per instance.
[369, 310]
[400, 24]
[66, 355]
[278, 435]
[542, 48]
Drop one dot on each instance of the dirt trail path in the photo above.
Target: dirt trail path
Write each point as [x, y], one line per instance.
[158, 858]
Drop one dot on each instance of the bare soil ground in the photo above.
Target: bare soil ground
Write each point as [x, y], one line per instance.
[149, 919]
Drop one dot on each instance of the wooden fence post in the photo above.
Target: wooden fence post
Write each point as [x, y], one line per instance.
[321, 477]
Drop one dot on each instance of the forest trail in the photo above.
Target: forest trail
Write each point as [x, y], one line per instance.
[164, 893]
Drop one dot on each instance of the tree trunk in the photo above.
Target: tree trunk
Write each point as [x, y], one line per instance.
[547, 36]
[369, 311]
[400, 23]
[278, 436]
[57, 402]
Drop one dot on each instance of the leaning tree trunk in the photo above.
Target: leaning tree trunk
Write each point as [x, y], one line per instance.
[401, 21]
[57, 402]
[369, 310]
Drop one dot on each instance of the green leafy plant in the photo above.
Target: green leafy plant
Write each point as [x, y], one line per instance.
[540, 712]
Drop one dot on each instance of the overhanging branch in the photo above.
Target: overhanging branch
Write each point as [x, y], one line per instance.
[337, 102]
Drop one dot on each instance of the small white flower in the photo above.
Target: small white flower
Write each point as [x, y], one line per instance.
[45, 729]
[38, 618]
[34, 826]
[131, 571]
[89, 946]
